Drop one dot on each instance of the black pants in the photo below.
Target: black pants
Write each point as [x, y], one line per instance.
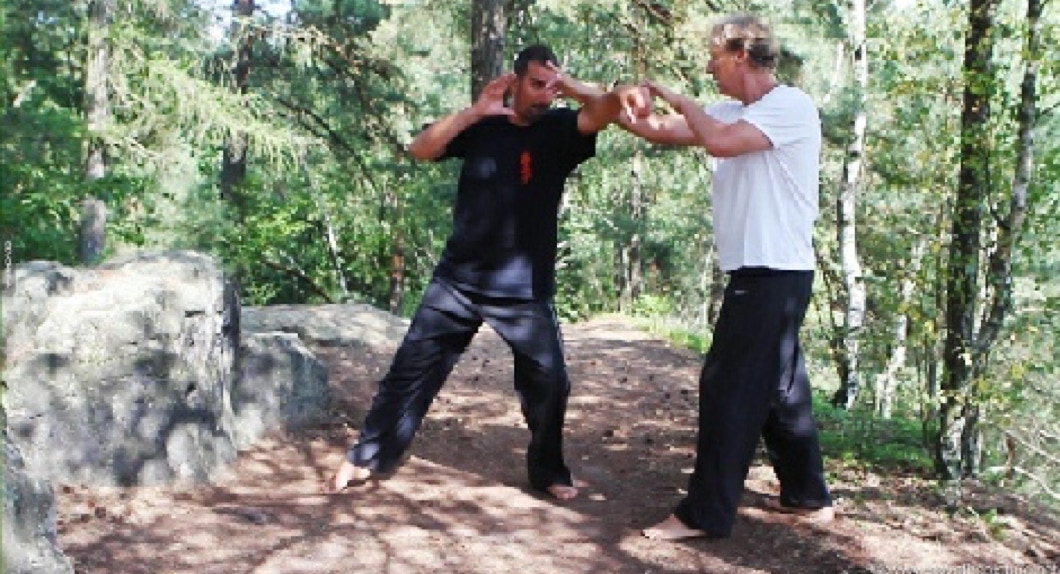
[441, 330]
[754, 384]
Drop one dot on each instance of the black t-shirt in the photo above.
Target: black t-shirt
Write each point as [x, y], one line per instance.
[505, 219]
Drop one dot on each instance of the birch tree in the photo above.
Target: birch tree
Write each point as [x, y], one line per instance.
[847, 341]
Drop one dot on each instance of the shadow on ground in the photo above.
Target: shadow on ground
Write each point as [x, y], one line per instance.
[460, 503]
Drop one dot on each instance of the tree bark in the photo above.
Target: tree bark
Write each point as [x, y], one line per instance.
[999, 269]
[92, 239]
[848, 354]
[398, 275]
[330, 235]
[958, 414]
[634, 272]
[489, 31]
[234, 156]
[887, 381]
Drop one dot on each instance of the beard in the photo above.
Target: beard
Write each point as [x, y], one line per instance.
[535, 112]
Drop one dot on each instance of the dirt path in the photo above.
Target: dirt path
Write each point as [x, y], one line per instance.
[460, 503]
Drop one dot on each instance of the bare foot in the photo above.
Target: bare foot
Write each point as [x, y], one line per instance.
[672, 529]
[347, 473]
[564, 491]
[821, 515]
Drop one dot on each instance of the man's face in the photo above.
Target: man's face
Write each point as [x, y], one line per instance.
[721, 67]
[531, 96]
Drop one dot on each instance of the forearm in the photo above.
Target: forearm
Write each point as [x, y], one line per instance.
[669, 129]
[431, 142]
[598, 107]
[704, 129]
[578, 91]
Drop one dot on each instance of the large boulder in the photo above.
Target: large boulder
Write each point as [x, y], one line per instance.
[138, 372]
[121, 374]
[29, 536]
[332, 325]
[281, 386]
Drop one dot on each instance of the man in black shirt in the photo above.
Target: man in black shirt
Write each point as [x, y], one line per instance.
[499, 263]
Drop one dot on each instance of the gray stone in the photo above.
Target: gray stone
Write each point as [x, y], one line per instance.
[346, 324]
[29, 535]
[134, 373]
[282, 385]
[121, 374]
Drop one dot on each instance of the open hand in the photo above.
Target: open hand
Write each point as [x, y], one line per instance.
[491, 101]
[663, 92]
[636, 101]
[558, 83]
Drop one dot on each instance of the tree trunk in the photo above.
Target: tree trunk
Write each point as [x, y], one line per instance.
[334, 253]
[93, 234]
[853, 282]
[717, 287]
[958, 412]
[636, 255]
[489, 30]
[397, 254]
[999, 269]
[234, 156]
[887, 381]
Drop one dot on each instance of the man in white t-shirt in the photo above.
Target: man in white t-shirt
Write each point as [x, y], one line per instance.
[766, 146]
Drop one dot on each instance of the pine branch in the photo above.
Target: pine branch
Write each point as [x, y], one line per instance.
[301, 276]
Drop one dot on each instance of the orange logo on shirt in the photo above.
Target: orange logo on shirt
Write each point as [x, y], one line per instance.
[526, 168]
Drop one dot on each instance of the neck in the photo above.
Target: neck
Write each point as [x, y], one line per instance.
[757, 85]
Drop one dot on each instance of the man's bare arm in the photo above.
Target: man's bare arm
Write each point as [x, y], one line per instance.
[600, 107]
[432, 141]
[669, 129]
[720, 139]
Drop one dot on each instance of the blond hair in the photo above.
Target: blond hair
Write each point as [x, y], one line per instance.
[746, 32]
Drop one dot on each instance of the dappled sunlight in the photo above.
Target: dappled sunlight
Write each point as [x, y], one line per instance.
[461, 501]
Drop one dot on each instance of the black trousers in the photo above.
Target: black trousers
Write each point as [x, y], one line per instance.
[441, 330]
[754, 384]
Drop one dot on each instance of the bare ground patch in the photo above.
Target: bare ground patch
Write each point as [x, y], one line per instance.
[461, 503]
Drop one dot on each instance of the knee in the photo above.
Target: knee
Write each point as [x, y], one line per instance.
[547, 381]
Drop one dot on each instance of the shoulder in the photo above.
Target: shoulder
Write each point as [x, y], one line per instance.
[789, 98]
[725, 110]
[560, 121]
[561, 117]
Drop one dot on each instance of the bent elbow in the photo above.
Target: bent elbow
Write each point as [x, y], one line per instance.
[716, 149]
[422, 152]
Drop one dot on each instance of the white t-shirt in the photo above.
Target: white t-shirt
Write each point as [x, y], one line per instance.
[765, 202]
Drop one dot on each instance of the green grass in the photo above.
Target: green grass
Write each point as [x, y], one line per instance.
[860, 438]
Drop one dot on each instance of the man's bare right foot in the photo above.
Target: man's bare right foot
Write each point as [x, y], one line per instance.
[562, 491]
[347, 473]
[566, 492]
[672, 530]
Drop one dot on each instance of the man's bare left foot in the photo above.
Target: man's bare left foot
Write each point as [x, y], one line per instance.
[347, 473]
[672, 530]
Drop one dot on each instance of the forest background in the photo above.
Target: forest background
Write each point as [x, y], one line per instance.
[272, 135]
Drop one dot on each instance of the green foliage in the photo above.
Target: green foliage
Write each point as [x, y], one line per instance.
[41, 178]
[859, 438]
[336, 91]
